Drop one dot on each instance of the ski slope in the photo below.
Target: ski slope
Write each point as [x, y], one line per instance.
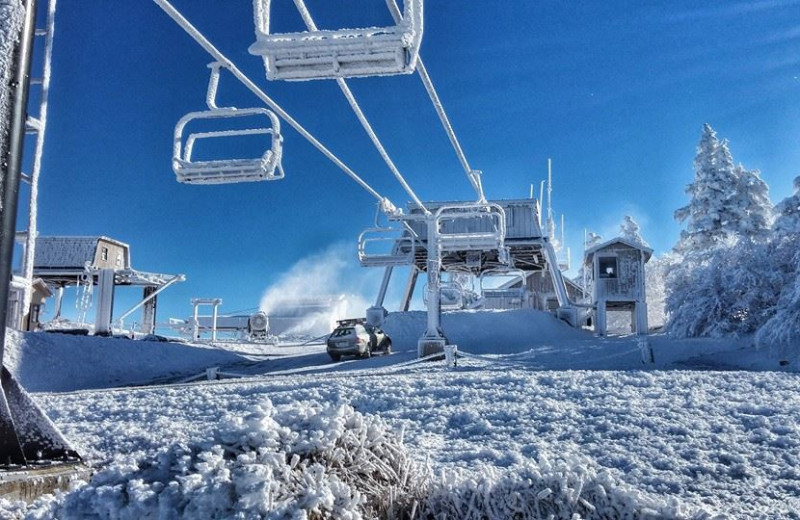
[714, 440]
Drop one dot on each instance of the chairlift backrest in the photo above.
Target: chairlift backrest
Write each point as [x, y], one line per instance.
[383, 247]
[470, 227]
[344, 53]
[266, 167]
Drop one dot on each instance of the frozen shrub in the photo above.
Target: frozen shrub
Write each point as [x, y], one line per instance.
[566, 489]
[312, 462]
[301, 462]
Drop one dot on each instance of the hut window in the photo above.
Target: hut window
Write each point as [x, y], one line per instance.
[608, 266]
[104, 254]
[119, 259]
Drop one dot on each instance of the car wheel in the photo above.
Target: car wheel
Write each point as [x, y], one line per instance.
[335, 357]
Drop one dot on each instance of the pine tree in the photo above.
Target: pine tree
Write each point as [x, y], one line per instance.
[781, 333]
[752, 205]
[629, 230]
[711, 221]
[787, 225]
[721, 283]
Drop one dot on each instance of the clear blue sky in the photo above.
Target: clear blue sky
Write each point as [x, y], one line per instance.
[614, 92]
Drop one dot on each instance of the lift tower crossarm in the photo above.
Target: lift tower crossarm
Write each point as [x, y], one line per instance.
[386, 205]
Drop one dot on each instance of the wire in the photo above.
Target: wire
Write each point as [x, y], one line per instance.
[301, 6]
[173, 13]
[472, 175]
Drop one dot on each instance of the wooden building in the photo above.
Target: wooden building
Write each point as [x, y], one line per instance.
[617, 269]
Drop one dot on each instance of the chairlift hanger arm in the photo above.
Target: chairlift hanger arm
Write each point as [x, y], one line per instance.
[386, 204]
[348, 94]
[474, 176]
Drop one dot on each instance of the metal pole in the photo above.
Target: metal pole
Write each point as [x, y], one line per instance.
[11, 176]
[10, 447]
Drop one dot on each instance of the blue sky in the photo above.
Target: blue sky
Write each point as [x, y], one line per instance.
[614, 92]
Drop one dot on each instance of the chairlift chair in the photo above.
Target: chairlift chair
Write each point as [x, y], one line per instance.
[222, 171]
[384, 247]
[451, 296]
[345, 53]
[471, 227]
[187, 169]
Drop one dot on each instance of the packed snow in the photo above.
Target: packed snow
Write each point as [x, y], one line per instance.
[514, 429]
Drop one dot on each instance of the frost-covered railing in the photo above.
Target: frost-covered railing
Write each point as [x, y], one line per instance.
[383, 247]
[267, 167]
[470, 227]
[325, 54]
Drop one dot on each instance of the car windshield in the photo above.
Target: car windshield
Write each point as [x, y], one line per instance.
[338, 333]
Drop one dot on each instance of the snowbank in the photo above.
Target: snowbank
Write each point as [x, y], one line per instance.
[485, 331]
[312, 461]
[49, 362]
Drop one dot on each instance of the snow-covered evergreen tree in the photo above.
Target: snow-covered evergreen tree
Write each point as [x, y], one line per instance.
[711, 220]
[732, 294]
[629, 230]
[787, 223]
[752, 205]
[721, 283]
[592, 239]
[781, 334]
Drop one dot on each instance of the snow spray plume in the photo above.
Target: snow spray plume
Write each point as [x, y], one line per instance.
[318, 290]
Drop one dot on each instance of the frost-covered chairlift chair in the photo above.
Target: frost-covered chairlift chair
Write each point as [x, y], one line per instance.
[471, 227]
[386, 246]
[344, 53]
[507, 290]
[189, 170]
[451, 296]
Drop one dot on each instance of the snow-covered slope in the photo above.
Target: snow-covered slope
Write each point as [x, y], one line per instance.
[726, 441]
[513, 419]
[61, 362]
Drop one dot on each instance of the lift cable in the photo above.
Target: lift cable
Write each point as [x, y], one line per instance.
[386, 204]
[301, 7]
[472, 175]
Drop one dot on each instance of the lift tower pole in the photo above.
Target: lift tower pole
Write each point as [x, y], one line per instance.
[10, 167]
[26, 434]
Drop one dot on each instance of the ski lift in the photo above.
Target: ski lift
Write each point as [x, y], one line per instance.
[384, 246]
[512, 292]
[266, 167]
[471, 227]
[345, 53]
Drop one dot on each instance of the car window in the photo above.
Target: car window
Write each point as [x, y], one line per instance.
[338, 333]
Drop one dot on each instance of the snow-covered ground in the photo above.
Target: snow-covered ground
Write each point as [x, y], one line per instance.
[700, 431]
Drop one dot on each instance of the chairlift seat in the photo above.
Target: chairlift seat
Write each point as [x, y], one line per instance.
[267, 167]
[345, 53]
[396, 248]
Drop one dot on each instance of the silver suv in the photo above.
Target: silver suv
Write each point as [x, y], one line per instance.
[357, 338]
